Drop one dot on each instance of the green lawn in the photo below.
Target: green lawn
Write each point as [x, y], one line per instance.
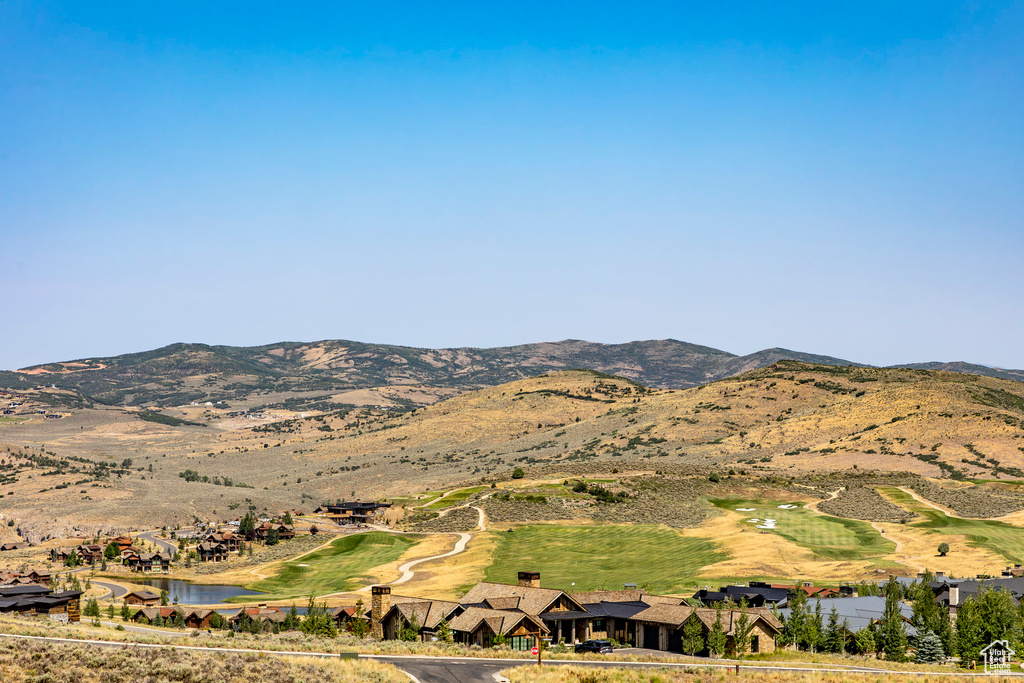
[999, 537]
[832, 538]
[595, 557]
[456, 498]
[344, 565]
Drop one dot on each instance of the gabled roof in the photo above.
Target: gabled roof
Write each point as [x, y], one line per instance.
[594, 597]
[511, 602]
[427, 613]
[143, 595]
[532, 600]
[500, 621]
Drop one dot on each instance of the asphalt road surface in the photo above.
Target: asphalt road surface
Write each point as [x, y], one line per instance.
[169, 546]
[116, 591]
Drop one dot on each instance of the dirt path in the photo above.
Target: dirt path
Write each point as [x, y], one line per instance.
[924, 501]
[814, 506]
[464, 538]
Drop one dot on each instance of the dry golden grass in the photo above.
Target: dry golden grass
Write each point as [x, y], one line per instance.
[582, 674]
[448, 578]
[488, 432]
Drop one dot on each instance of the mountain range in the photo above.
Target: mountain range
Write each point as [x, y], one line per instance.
[324, 374]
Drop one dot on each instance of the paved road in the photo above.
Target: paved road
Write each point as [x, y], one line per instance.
[429, 669]
[115, 590]
[169, 546]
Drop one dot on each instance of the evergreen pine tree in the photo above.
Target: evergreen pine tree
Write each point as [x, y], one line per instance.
[894, 636]
[832, 639]
[865, 641]
[126, 612]
[716, 638]
[793, 626]
[929, 648]
[444, 632]
[291, 621]
[741, 632]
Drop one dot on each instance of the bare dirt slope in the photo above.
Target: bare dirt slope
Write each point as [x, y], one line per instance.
[789, 418]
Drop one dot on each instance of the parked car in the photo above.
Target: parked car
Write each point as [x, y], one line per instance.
[599, 646]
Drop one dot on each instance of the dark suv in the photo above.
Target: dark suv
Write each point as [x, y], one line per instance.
[599, 646]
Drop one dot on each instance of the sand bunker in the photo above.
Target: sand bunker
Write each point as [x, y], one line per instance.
[788, 507]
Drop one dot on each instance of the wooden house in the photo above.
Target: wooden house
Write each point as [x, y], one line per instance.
[426, 615]
[229, 539]
[149, 562]
[35, 599]
[211, 552]
[144, 598]
[167, 613]
[354, 512]
[90, 553]
[518, 614]
[260, 613]
[481, 626]
[285, 532]
[198, 618]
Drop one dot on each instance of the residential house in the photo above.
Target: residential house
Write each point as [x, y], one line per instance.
[519, 614]
[35, 599]
[260, 613]
[167, 613]
[284, 531]
[198, 618]
[149, 562]
[229, 539]
[212, 552]
[32, 577]
[353, 512]
[123, 543]
[343, 616]
[145, 598]
[856, 613]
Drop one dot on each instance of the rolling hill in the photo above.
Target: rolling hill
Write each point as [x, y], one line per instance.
[323, 375]
[789, 419]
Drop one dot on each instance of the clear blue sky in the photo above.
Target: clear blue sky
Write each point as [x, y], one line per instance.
[843, 178]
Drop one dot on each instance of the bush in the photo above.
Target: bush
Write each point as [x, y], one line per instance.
[714, 478]
[518, 473]
[943, 549]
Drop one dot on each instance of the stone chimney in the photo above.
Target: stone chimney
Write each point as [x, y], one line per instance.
[380, 603]
[954, 596]
[529, 579]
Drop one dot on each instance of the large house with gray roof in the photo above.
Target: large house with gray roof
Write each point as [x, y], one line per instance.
[520, 614]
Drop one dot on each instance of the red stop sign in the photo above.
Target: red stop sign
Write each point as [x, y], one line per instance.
[535, 651]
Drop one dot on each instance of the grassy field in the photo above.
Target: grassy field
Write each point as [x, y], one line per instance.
[999, 537]
[596, 557]
[455, 498]
[340, 567]
[831, 538]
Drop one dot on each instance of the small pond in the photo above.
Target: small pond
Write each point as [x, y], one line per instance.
[195, 593]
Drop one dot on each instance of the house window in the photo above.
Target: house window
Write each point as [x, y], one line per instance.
[597, 624]
[755, 644]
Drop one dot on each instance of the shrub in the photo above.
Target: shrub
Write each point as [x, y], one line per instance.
[518, 473]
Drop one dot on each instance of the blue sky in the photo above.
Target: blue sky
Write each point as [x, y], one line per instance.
[839, 178]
